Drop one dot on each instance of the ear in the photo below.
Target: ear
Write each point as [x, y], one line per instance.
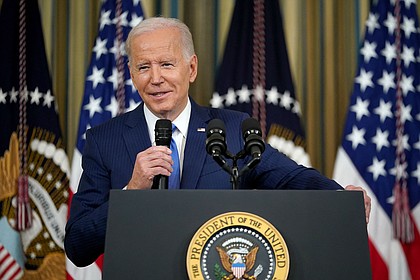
[193, 68]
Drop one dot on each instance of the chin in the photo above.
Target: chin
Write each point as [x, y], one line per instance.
[164, 113]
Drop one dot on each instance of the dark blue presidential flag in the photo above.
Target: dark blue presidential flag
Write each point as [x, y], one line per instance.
[108, 89]
[34, 169]
[381, 142]
[255, 76]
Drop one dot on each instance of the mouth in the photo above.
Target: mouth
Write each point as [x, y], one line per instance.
[159, 94]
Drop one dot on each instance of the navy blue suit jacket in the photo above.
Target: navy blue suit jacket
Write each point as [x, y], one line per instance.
[109, 157]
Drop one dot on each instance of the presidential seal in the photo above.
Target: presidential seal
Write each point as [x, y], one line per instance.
[235, 246]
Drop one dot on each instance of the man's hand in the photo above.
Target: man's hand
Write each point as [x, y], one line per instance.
[366, 199]
[156, 160]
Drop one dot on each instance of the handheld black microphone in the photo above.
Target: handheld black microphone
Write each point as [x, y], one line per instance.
[254, 144]
[215, 142]
[163, 137]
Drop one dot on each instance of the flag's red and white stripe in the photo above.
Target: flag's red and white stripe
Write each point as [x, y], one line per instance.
[390, 259]
[9, 268]
[93, 271]
[117, 17]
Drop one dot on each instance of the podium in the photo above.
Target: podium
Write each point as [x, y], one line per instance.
[149, 232]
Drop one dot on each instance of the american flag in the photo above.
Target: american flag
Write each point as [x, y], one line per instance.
[255, 76]
[107, 83]
[381, 144]
[35, 148]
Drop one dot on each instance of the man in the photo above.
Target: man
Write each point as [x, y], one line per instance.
[121, 153]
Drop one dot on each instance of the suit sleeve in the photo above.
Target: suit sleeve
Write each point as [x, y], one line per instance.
[85, 229]
[277, 171]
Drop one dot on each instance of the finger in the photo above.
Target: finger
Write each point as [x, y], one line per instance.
[150, 159]
[163, 160]
[368, 207]
[158, 149]
[366, 199]
[161, 170]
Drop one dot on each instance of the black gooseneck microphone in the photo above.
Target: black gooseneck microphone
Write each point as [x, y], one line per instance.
[216, 147]
[254, 144]
[216, 142]
[163, 137]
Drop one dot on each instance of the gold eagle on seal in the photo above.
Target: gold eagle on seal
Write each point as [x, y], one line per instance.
[235, 265]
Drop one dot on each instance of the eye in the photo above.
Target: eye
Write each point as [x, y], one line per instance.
[142, 68]
[167, 65]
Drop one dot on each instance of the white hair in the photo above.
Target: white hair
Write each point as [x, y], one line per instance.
[156, 23]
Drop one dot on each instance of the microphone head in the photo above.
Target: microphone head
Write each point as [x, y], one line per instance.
[163, 132]
[215, 126]
[215, 142]
[251, 132]
[251, 126]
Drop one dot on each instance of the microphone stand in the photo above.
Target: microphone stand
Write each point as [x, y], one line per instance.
[234, 178]
[216, 147]
[234, 171]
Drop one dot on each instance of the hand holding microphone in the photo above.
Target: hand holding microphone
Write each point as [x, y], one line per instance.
[153, 165]
[163, 137]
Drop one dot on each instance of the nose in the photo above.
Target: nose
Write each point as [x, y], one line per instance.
[156, 75]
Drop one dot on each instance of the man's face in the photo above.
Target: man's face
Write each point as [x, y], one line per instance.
[160, 72]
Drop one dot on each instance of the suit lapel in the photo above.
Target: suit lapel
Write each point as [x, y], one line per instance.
[195, 151]
[136, 136]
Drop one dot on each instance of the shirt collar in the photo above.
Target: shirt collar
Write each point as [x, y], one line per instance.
[181, 121]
